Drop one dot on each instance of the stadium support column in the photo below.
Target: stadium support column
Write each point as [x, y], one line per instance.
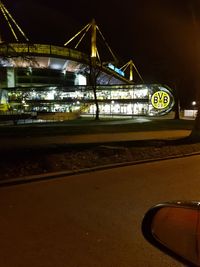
[131, 71]
[93, 39]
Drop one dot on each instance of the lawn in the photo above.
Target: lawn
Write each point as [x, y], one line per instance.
[90, 126]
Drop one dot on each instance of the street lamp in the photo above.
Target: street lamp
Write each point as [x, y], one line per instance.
[194, 103]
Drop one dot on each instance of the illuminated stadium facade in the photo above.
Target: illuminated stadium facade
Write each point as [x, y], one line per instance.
[44, 78]
[33, 79]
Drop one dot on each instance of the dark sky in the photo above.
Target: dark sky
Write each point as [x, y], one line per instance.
[158, 35]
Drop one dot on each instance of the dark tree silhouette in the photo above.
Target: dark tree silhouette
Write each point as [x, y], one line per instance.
[93, 75]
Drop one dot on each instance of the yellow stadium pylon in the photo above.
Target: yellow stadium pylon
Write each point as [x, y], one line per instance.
[94, 29]
[132, 66]
[10, 20]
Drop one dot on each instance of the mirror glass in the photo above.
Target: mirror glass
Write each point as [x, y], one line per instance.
[178, 229]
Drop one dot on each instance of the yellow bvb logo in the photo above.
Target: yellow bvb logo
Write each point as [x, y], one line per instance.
[160, 100]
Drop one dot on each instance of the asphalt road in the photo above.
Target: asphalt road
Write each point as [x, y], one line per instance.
[92, 219]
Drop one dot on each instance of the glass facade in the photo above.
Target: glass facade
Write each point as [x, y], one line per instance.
[112, 100]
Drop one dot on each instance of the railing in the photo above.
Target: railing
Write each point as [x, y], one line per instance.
[42, 49]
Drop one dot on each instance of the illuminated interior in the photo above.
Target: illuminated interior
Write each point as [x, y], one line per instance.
[113, 100]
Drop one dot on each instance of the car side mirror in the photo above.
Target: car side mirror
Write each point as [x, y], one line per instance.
[174, 228]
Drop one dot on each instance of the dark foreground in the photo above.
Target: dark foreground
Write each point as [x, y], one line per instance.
[31, 161]
[92, 219]
[20, 161]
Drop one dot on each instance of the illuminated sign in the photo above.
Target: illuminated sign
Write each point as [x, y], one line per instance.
[160, 100]
[112, 67]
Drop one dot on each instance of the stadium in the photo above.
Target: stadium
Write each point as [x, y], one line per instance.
[59, 81]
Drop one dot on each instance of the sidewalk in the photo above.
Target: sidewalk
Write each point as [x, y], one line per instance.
[12, 143]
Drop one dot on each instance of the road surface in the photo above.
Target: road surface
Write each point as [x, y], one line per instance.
[91, 219]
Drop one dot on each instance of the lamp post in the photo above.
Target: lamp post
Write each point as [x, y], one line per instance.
[193, 108]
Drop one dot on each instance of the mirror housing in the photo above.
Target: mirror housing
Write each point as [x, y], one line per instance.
[174, 228]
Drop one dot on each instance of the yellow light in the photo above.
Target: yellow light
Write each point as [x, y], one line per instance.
[93, 40]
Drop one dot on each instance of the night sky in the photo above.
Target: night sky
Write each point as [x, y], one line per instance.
[160, 36]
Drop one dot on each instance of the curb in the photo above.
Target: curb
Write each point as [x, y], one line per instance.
[53, 175]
